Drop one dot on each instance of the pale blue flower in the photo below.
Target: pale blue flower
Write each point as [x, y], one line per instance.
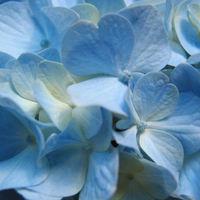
[81, 163]
[153, 99]
[22, 142]
[124, 47]
[26, 27]
[184, 122]
[50, 92]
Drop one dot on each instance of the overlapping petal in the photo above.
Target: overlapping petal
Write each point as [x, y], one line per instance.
[54, 14]
[143, 178]
[19, 31]
[106, 91]
[59, 112]
[164, 149]
[68, 171]
[4, 58]
[103, 168]
[24, 74]
[88, 50]
[154, 97]
[106, 7]
[189, 179]
[87, 12]
[56, 79]
[151, 51]
[67, 4]
[7, 91]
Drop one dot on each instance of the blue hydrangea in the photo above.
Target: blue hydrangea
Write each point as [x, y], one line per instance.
[86, 110]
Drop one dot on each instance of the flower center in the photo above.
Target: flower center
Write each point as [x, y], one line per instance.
[125, 76]
[130, 177]
[30, 139]
[87, 148]
[142, 125]
[44, 43]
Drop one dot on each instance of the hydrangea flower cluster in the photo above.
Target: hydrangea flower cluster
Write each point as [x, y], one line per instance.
[100, 99]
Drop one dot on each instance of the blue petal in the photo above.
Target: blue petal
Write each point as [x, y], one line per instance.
[62, 18]
[193, 13]
[29, 107]
[87, 12]
[133, 116]
[5, 75]
[4, 58]
[154, 97]
[194, 59]
[164, 149]
[90, 120]
[151, 51]
[10, 64]
[88, 50]
[183, 123]
[156, 180]
[59, 113]
[20, 114]
[105, 7]
[189, 178]
[168, 17]
[101, 141]
[72, 135]
[128, 138]
[178, 54]
[68, 171]
[191, 81]
[67, 4]
[31, 125]
[56, 79]
[23, 169]
[36, 7]
[13, 135]
[50, 54]
[102, 175]
[188, 35]
[105, 91]
[24, 73]
[19, 31]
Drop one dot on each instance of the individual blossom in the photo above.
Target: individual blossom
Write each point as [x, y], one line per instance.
[22, 143]
[123, 47]
[81, 163]
[184, 122]
[29, 27]
[153, 100]
[49, 90]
